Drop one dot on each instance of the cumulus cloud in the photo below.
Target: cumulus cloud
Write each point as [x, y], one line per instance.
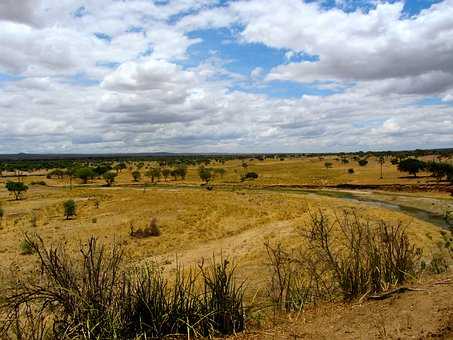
[66, 90]
[23, 11]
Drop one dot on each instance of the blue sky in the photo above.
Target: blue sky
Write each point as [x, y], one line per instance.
[225, 76]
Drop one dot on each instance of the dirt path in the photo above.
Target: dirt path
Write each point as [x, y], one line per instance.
[232, 247]
[423, 314]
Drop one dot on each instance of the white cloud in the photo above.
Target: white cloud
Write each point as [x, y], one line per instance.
[379, 64]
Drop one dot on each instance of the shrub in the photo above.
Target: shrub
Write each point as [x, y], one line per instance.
[249, 175]
[39, 183]
[152, 230]
[348, 257]
[350, 171]
[26, 247]
[367, 258]
[69, 209]
[362, 162]
[328, 165]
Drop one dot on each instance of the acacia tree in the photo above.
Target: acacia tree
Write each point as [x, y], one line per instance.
[136, 175]
[205, 174]
[166, 172]
[182, 171]
[411, 165]
[109, 178]
[16, 188]
[153, 173]
[119, 167]
[84, 174]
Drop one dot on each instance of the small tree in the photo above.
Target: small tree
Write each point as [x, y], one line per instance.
[16, 188]
[109, 178]
[119, 167]
[328, 165]
[182, 171]
[381, 161]
[153, 173]
[205, 174]
[166, 172]
[174, 174]
[136, 175]
[69, 209]
[411, 165]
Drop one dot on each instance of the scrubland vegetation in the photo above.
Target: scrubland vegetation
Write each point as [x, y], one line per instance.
[212, 246]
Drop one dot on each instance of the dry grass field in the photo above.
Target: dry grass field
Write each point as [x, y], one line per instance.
[196, 223]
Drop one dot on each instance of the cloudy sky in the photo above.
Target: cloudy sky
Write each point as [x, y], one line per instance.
[225, 76]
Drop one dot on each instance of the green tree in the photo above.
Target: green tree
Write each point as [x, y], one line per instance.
[84, 174]
[136, 175]
[153, 173]
[119, 167]
[69, 209]
[411, 165]
[109, 178]
[17, 189]
[174, 173]
[328, 165]
[166, 172]
[205, 174]
[182, 171]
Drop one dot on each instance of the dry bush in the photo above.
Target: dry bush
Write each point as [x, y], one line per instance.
[346, 257]
[152, 230]
[93, 298]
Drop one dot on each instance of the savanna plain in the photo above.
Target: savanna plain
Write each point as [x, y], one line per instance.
[281, 246]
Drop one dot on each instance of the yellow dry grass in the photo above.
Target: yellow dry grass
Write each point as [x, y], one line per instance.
[290, 171]
[194, 223]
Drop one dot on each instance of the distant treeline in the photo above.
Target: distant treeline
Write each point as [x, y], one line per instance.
[33, 162]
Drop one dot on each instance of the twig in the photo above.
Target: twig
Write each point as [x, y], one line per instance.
[395, 291]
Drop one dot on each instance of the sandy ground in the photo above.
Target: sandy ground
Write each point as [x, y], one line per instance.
[423, 314]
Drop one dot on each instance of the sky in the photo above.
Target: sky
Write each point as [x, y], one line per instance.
[100, 76]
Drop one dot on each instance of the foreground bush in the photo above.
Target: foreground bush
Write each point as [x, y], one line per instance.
[346, 257]
[93, 298]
